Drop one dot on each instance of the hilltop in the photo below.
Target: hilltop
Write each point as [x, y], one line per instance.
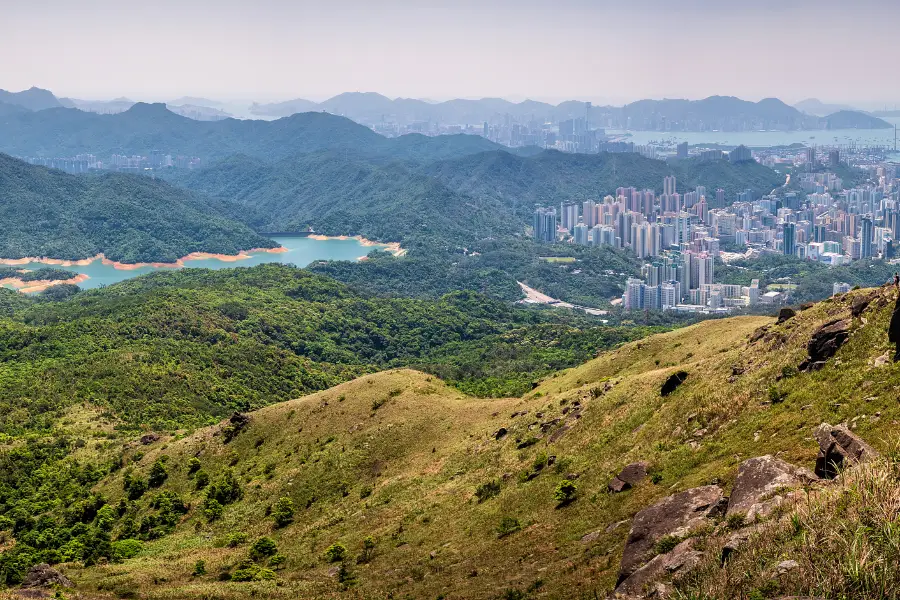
[127, 218]
[396, 484]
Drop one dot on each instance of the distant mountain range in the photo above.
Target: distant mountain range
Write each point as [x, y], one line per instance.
[721, 113]
[815, 107]
[62, 132]
[714, 113]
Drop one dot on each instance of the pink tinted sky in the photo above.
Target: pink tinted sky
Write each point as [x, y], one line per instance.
[836, 50]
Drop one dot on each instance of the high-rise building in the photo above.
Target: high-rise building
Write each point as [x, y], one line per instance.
[865, 237]
[834, 158]
[682, 150]
[789, 234]
[581, 234]
[569, 216]
[740, 154]
[544, 225]
[669, 185]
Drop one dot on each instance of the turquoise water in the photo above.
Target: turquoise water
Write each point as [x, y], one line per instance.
[301, 252]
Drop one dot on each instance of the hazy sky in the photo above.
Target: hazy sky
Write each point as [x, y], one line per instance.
[836, 50]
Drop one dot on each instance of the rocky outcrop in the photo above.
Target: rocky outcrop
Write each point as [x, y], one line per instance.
[839, 447]
[860, 303]
[149, 438]
[629, 477]
[761, 484]
[785, 313]
[894, 328]
[825, 343]
[44, 576]
[681, 559]
[671, 384]
[674, 515]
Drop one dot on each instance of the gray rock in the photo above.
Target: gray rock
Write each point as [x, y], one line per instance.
[786, 313]
[787, 565]
[149, 438]
[678, 561]
[825, 343]
[758, 483]
[839, 447]
[590, 537]
[679, 512]
[43, 576]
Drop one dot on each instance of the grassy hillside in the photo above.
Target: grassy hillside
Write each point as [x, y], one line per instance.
[128, 218]
[412, 479]
[186, 348]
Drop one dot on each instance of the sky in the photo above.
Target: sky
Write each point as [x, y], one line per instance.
[603, 51]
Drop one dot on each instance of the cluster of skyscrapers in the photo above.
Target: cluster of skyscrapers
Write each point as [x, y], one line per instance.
[83, 163]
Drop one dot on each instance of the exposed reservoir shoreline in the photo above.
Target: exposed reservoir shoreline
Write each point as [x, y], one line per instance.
[83, 262]
[97, 271]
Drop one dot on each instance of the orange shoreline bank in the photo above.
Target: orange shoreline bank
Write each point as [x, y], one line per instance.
[29, 287]
[392, 247]
[242, 255]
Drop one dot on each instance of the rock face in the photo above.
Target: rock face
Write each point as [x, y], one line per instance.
[671, 384]
[825, 343]
[786, 313]
[894, 328]
[680, 559]
[861, 303]
[628, 478]
[838, 446]
[43, 575]
[758, 483]
[674, 515]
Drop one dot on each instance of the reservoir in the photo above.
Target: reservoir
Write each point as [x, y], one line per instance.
[301, 251]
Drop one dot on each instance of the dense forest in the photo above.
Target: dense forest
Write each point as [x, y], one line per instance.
[128, 218]
[185, 348]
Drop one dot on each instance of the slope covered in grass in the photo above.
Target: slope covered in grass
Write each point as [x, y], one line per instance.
[434, 493]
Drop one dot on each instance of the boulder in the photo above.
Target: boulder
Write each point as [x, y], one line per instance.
[149, 438]
[630, 476]
[786, 313]
[43, 576]
[678, 561]
[673, 515]
[861, 303]
[671, 384]
[758, 483]
[825, 343]
[736, 541]
[839, 447]
[500, 433]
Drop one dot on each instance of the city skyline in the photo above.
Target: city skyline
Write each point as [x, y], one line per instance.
[573, 49]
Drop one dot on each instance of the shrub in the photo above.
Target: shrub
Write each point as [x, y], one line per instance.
[487, 490]
[277, 561]
[368, 549]
[201, 480]
[508, 526]
[735, 520]
[365, 492]
[128, 548]
[263, 547]
[212, 509]
[565, 492]
[233, 540]
[199, 568]
[193, 465]
[335, 553]
[666, 544]
[283, 513]
[135, 486]
[158, 473]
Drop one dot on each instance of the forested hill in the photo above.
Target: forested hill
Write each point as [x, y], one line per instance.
[146, 127]
[552, 177]
[341, 194]
[128, 218]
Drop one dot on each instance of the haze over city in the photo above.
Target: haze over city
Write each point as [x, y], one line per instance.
[606, 52]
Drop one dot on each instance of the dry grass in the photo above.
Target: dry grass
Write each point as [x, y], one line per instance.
[845, 539]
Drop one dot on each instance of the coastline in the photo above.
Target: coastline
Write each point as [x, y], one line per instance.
[242, 255]
[30, 287]
[392, 247]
